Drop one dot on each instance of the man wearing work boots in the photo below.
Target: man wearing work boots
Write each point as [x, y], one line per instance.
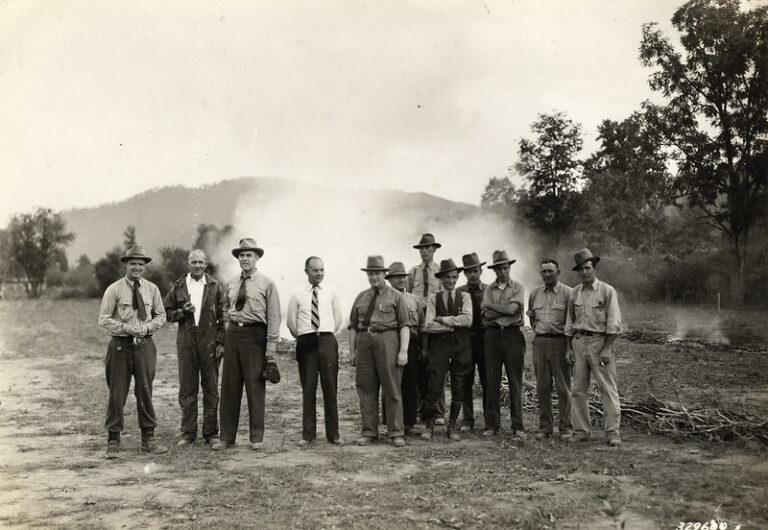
[546, 309]
[473, 269]
[504, 343]
[592, 322]
[409, 385]
[131, 311]
[378, 348]
[446, 346]
[196, 302]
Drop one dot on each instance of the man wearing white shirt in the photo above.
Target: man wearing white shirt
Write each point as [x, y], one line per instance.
[196, 302]
[314, 316]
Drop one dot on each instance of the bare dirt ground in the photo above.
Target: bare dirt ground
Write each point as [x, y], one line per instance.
[53, 473]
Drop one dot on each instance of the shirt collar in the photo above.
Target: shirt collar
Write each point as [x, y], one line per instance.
[309, 286]
[594, 285]
[381, 289]
[556, 288]
[130, 282]
[498, 286]
[192, 280]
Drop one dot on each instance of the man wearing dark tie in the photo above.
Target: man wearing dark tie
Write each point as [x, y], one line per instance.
[314, 316]
[253, 330]
[131, 311]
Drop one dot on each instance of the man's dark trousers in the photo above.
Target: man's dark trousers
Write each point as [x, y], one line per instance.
[409, 385]
[550, 362]
[126, 360]
[504, 347]
[447, 351]
[244, 361]
[197, 361]
[318, 355]
[478, 359]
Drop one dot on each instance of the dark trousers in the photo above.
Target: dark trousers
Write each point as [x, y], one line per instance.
[198, 367]
[377, 367]
[244, 360]
[550, 362]
[478, 359]
[318, 354]
[126, 360]
[409, 384]
[422, 385]
[504, 347]
[447, 351]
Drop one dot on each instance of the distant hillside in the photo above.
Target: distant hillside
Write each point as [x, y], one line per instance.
[171, 215]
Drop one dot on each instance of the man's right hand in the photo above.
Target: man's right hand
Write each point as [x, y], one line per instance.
[188, 307]
[353, 358]
[570, 357]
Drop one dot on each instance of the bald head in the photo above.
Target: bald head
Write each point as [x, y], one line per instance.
[196, 262]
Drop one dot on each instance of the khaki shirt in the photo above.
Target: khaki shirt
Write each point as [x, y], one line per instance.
[462, 320]
[262, 304]
[117, 314]
[416, 280]
[593, 308]
[389, 313]
[546, 308]
[415, 311]
[514, 292]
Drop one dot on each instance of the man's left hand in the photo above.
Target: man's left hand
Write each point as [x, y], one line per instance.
[605, 356]
[402, 358]
[219, 353]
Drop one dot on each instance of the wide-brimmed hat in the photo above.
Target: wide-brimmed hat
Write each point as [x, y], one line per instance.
[396, 268]
[500, 258]
[247, 243]
[584, 255]
[447, 265]
[471, 261]
[375, 264]
[135, 252]
[427, 240]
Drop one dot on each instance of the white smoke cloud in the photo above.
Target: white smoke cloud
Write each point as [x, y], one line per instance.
[344, 227]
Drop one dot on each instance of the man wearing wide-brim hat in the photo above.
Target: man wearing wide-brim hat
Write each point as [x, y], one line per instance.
[131, 312]
[445, 345]
[250, 345]
[504, 344]
[397, 277]
[378, 348]
[473, 270]
[592, 323]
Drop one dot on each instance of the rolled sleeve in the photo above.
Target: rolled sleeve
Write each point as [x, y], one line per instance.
[158, 311]
[568, 329]
[354, 317]
[107, 318]
[273, 318]
[401, 308]
[613, 318]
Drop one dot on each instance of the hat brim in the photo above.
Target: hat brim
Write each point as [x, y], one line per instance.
[422, 245]
[126, 259]
[438, 274]
[366, 269]
[475, 266]
[500, 263]
[593, 259]
[396, 275]
[236, 251]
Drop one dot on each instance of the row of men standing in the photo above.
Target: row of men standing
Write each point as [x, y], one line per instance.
[475, 325]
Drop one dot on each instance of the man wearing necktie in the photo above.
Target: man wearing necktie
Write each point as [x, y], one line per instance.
[445, 345]
[196, 302]
[253, 330]
[378, 348]
[131, 312]
[314, 316]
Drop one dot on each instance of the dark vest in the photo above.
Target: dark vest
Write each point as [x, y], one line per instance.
[442, 311]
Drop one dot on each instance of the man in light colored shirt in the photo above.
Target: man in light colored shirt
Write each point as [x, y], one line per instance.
[196, 302]
[378, 348]
[592, 323]
[546, 309]
[445, 345]
[131, 311]
[253, 330]
[504, 344]
[314, 316]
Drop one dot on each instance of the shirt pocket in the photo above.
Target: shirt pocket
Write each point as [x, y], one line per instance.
[125, 307]
[598, 311]
[558, 312]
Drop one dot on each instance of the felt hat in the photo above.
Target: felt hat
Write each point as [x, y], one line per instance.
[471, 261]
[584, 255]
[426, 240]
[135, 252]
[396, 269]
[500, 257]
[447, 265]
[374, 264]
[247, 243]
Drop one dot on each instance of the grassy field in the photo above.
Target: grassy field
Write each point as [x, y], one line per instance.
[53, 473]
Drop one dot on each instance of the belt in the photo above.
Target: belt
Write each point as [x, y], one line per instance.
[550, 335]
[369, 329]
[251, 324]
[587, 333]
[129, 337]
[497, 326]
[315, 334]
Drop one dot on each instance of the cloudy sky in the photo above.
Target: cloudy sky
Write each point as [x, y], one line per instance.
[102, 100]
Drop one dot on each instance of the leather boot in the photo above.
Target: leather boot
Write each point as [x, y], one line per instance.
[453, 431]
[429, 425]
[148, 444]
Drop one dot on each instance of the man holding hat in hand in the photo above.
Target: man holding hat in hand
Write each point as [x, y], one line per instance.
[592, 322]
[446, 346]
[253, 330]
[473, 269]
[502, 310]
[131, 311]
[378, 347]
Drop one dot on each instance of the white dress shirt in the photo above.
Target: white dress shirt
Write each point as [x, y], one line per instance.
[195, 289]
[299, 318]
